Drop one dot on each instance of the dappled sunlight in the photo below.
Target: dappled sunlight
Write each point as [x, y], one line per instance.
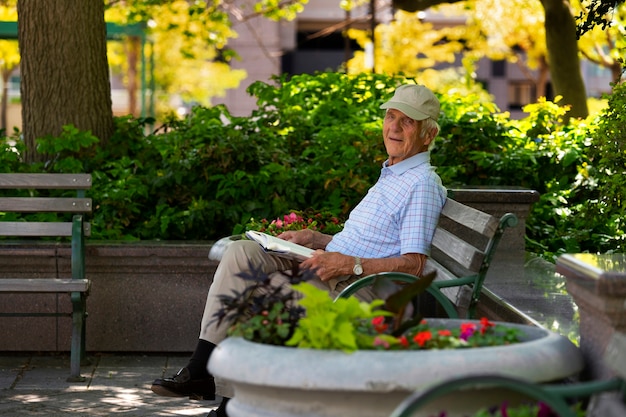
[28, 398]
[102, 402]
[121, 387]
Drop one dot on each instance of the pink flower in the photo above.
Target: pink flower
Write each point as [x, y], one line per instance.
[467, 330]
[381, 342]
[544, 410]
[292, 218]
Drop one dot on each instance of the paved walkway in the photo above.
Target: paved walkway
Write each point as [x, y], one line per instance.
[35, 385]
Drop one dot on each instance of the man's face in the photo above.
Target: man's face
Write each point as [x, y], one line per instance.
[402, 136]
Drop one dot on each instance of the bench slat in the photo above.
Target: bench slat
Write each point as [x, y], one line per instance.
[476, 220]
[45, 181]
[40, 229]
[466, 255]
[442, 275]
[40, 285]
[45, 204]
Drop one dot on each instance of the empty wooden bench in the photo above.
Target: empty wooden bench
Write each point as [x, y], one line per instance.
[463, 247]
[28, 195]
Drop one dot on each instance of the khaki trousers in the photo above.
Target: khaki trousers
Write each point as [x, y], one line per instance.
[237, 258]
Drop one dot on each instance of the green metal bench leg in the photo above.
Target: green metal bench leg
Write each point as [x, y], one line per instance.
[444, 301]
[77, 347]
[79, 302]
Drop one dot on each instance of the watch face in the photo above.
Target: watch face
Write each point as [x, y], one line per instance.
[358, 269]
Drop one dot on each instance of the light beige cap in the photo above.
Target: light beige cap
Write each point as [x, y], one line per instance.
[414, 100]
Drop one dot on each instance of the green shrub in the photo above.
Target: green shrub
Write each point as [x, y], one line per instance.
[315, 143]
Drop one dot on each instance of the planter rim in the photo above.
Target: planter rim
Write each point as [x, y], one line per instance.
[543, 356]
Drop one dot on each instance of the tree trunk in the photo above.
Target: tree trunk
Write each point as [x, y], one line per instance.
[134, 50]
[65, 73]
[6, 74]
[542, 78]
[563, 56]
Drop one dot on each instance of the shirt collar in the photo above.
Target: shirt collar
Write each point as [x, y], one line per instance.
[403, 166]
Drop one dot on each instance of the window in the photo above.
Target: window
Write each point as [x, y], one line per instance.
[520, 94]
[498, 68]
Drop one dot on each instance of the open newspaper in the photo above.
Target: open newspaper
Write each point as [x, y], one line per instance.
[280, 247]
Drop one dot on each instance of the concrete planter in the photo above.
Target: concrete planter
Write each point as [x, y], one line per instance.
[281, 381]
[219, 247]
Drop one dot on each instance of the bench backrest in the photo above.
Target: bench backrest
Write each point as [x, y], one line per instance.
[75, 204]
[463, 246]
[71, 204]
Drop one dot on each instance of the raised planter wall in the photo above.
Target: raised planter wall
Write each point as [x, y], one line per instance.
[149, 296]
[145, 296]
[597, 283]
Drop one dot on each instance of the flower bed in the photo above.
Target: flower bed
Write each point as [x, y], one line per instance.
[322, 221]
[305, 316]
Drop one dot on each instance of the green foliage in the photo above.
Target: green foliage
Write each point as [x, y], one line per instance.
[595, 15]
[332, 324]
[265, 311]
[293, 312]
[604, 178]
[314, 145]
[11, 148]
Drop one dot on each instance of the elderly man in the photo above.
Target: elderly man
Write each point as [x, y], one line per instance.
[391, 229]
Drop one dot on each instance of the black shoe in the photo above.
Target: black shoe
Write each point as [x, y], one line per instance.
[181, 385]
[221, 410]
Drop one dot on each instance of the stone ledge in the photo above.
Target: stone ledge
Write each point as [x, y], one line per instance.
[146, 296]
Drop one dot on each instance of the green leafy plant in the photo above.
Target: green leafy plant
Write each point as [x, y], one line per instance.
[344, 324]
[302, 315]
[269, 317]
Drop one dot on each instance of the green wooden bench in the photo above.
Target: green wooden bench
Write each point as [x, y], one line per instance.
[27, 196]
[463, 247]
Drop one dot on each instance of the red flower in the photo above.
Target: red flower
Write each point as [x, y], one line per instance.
[403, 341]
[422, 337]
[485, 324]
[379, 324]
[444, 332]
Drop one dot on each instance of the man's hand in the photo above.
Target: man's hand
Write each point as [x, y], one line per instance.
[328, 265]
[306, 237]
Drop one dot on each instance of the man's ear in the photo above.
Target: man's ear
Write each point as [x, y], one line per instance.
[430, 136]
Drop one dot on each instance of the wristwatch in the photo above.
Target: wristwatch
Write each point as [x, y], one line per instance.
[358, 268]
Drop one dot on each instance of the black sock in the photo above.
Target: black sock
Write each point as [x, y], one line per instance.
[221, 410]
[199, 360]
